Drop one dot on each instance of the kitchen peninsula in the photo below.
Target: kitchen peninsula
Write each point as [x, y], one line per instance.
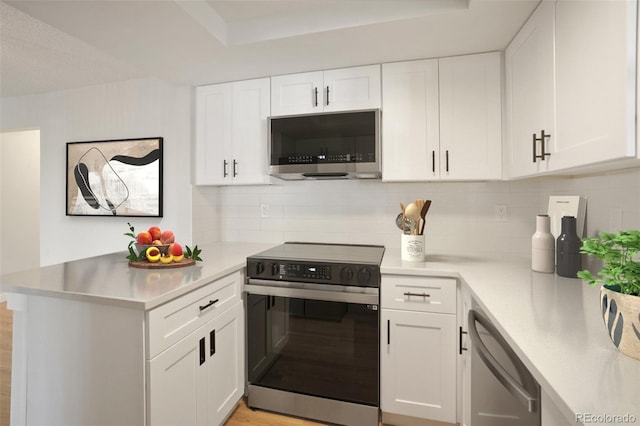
[98, 342]
[101, 335]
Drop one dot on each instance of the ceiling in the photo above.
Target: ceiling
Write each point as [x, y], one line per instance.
[49, 45]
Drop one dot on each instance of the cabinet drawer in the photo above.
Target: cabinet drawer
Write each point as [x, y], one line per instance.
[169, 323]
[413, 293]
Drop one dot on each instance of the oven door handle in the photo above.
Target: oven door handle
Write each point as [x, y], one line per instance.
[305, 293]
[522, 394]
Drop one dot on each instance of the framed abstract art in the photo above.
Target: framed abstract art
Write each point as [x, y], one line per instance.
[115, 178]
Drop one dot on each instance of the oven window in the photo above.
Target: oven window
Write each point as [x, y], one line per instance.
[324, 139]
[318, 348]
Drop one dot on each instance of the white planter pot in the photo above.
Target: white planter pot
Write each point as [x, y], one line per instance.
[621, 314]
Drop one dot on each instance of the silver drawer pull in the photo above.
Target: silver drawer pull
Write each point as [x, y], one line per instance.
[417, 294]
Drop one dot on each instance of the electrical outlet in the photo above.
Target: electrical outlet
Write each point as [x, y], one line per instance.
[501, 213]
[264, 210]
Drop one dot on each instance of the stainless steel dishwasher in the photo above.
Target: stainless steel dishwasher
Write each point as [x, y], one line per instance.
[503, 391]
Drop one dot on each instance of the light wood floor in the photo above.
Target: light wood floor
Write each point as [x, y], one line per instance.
[244, 416]
[6, 328]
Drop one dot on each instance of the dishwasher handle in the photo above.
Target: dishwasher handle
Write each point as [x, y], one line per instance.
[521, 393]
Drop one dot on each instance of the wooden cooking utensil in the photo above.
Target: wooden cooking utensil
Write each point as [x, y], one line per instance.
[423, 214]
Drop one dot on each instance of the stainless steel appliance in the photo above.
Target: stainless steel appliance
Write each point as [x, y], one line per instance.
[503, 391]
[312, 331]
[325, 146]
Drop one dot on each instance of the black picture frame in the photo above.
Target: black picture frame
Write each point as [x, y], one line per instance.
[120, 177]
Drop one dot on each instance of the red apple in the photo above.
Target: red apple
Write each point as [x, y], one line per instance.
[155, 232]
[167, 237]
[144, 238]
[175, 249]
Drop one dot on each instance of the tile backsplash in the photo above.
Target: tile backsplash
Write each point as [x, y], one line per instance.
[462, 218]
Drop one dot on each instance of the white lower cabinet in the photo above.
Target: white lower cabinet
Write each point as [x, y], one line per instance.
[180, 363]
[177, 384]
[418, 350]
[200, 379]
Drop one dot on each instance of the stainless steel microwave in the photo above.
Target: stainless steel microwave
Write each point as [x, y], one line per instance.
[325, 146]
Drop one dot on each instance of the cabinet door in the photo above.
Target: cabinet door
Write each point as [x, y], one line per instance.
[410, 122]
[530, 97]
[595, 82]
[465, 363]
[470, 117]
[213, 134]
[352, 88]
[177, 383]
[418, 364]
[296, 94]
[225, 363]
[250, 131]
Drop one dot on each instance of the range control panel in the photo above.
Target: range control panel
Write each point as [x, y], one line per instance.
[311, 272]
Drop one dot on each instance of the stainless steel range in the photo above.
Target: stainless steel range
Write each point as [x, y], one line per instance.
[313, 331]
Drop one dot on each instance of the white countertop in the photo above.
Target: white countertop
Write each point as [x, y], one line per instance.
[109, 279]
[554, 324]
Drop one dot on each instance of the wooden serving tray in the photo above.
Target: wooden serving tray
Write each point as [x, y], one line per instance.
[144, 264]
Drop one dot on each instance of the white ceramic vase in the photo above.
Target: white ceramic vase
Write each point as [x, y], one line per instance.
[543, 246]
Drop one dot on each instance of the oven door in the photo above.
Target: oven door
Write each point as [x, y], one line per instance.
[314, 341]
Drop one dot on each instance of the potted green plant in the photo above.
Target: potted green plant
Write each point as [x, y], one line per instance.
[619, 278]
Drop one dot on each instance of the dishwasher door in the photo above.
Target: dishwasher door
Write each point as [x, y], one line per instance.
[503, 391]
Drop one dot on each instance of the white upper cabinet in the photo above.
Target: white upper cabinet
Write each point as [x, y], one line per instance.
[324, 91]
[410, 121]
[250, 131]
[471, 117]
[442, 119]
[213, 133]
[232, 133]
[595, 82]
[530, 100]
[571, 73]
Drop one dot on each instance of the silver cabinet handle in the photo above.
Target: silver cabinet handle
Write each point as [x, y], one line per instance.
[408, 294]
[327, 95]
[235, 168]
[524, 394]
[224, 168]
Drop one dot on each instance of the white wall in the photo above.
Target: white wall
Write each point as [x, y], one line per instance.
[363, 212]
[19, 200]
[131, 109]
[613, 199]
[461, 219]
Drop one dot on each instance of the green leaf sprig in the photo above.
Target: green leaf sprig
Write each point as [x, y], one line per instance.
[133, 256]
[193, 254]
[621, 269]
